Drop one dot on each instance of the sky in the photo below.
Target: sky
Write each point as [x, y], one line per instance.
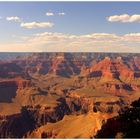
[69, 26]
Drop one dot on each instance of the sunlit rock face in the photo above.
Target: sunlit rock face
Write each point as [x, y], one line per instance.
[65, 95]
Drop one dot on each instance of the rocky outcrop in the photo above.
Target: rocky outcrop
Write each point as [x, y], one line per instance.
[72, 126]
[112, 69]
[82, 105]
[31, 118]
[15, 126]
[9, 87]
[125, 125]
[79, 105]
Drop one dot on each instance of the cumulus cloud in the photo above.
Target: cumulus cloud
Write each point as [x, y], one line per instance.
[49, 14]
[13, 18]
[61, 14]
[32, 25]
[60, 42]
[124, 18]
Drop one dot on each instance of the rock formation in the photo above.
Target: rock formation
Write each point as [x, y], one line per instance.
[65, 95]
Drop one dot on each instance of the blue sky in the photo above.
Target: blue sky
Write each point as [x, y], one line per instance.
[79, 20]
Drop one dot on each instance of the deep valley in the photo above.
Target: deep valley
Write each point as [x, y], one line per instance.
[66, 95]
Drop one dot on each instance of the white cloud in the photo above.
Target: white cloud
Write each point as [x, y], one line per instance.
[52, 14]
[49, 14]
[0, 17]
[61, 14]
[32, 25]
[132, 37]
[60, 42]
[124, 18]
[13, 18]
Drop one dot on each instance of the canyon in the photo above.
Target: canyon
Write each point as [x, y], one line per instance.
[64, 95]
